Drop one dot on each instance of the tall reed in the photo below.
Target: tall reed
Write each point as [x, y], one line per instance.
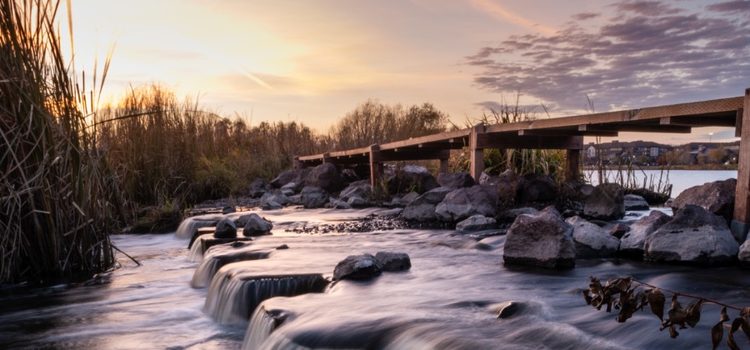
[56, 194]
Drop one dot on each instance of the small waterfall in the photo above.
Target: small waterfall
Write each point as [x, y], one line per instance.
[205, 242]
[190, 226]
[217, 258]
[262, 323]
[233, 296]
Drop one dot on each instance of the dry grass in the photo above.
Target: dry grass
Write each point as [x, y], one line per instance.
[57, 198]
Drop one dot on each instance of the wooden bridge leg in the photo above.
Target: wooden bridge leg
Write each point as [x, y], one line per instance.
[573, 165]
[444, 161]
[741, 222]
[376, 166]
[476, 153]
[297, 164]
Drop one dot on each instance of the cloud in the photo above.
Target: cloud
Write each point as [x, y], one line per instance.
[647, 54]
[585, 16]
[731, 6]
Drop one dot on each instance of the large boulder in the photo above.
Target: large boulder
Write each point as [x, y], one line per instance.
[464, 202]
[393, 261]
[592, 241]
[256, 226]
[283, 178]
[634, 202]
[455, 180]
[541, 240]
[716, 197]
[257, 188]
[412, 178]
[358, 189]
[313, 197]
[423, 207]
[357, 267]
[510, 215]
[508, 185]
[695, 236]
[744, 254]
[225, 228]
[606, 202]
[300, 181]
[289, 189]
[325, 176]
[476, 223]
[538, 188]
[631, 244]
[576, 190]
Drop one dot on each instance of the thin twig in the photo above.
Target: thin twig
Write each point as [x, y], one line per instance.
[687, 295]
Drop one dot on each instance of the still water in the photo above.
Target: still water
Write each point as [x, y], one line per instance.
[449, 299]
[679, 179]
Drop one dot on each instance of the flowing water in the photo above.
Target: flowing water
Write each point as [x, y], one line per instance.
[449, 299]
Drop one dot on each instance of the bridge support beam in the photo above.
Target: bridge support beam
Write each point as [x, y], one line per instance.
[297, 164]
[476, 151]
[572, 164]
[444, 161]
[376, 165]
[741, 222]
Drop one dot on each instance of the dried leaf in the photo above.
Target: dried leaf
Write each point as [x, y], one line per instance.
[745, 312]
[677, 314]
[730, 337]
[723, 317]
[673, 332]
[618, 285]
[693, 313]
[586, 297]
[641, 299]
[717, 332]
[656, 300]
[625, 313]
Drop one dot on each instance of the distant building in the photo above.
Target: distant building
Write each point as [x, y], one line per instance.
[615, 152]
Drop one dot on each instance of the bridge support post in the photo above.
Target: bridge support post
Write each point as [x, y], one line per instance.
[376, 165]
[446, 154]
[326, 157]
[297, 165]
[741, 220]
[476, 156]
[572, 164]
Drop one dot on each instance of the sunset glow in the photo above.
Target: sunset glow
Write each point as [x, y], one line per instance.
[314, 61]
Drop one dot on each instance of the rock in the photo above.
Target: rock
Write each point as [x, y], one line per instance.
[300, 181]
[271, 205]
[282, 247]
[541, 240]
[508, 309]
[349, 176]
[409, 197]
[393, 261]
[357, 267]
[325, 176]
[476, 223]
[313, 197]
[412, 178]
[605, 203]
[279, 198]
[619, 230]
[257, 226]
[695, 236]
[228, 209]
[508, 186]
[591, 241]
[257, 188]
[538, 188]
[283, 178]
[652, 197]
[631, 244]
[288, 189]
[576, 190]
[225, 228]
[744, 254]
[423, 208]
[455, 180]
[360, 189]
[357, 202]
[337, 204]
[716, 197]
[634, 202]
[510, 215]
[464, 202]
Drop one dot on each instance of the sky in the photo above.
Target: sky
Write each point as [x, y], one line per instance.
[314, 61]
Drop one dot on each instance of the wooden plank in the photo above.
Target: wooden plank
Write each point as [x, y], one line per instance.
[742, 193]
[442, 137]
[410, 155]
[505, 141]
[476, 152]
[659, 128]
[722, 121]
[738, 123]
[566, 132]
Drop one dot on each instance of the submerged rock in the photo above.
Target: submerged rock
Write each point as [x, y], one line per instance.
[542, 240]
[635, 202]
[694, 236]
[393, 261]
[357, 267]
[591, 241]
[225, 228]
[632, 242]
[607, 202]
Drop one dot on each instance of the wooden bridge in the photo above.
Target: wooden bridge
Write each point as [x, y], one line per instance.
[566, 133]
